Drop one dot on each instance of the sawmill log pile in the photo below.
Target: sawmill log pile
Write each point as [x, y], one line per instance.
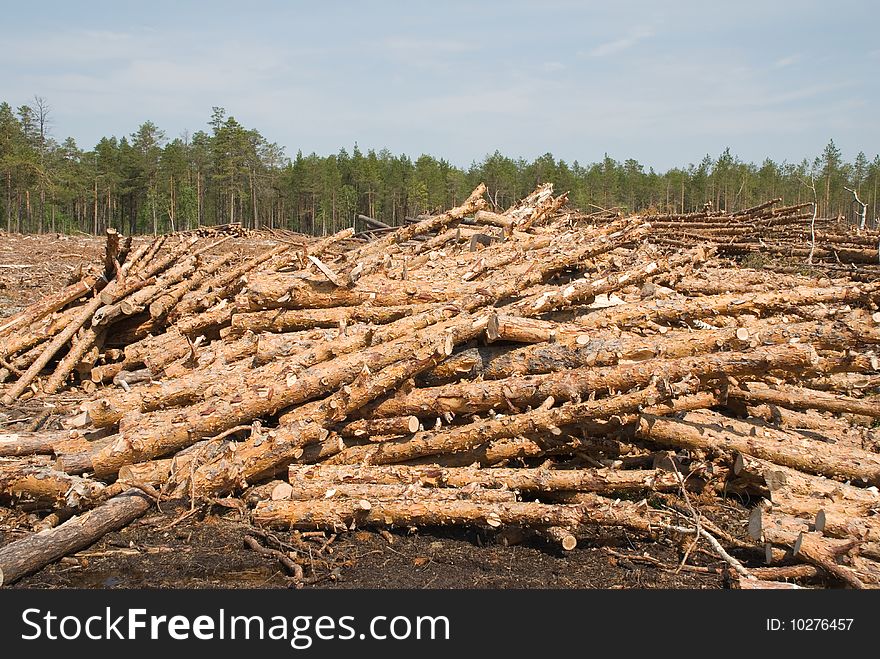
[531, 368]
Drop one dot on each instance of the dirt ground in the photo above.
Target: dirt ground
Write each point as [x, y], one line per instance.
[207, 549]
[209, 552]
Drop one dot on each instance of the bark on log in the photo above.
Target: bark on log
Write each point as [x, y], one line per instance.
[799, 398]
[79, 347]
[585, 290]
[286, 291]
[248, 396]
[301, 319]
[497, 362]
[396, 492]
[472, 204]
[27, 339]
[163, 305]
[82, 316]
[42, 483]
[305, 426]
[719, 433]
[31, 443]
[470, 436]
[367, 428]
[660, 311]
[346, 513]
[501, 451]
[25, 556]
[494, 219]
[473, 397]
[47, 305]
[521, 480]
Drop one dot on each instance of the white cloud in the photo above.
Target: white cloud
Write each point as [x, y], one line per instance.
[786, 61]
[635, 35]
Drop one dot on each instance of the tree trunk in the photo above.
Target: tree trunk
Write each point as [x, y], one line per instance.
[718, 433]
[474, 397]
[521, 480]
[25, 556]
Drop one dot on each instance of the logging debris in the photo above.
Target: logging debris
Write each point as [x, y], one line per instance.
[532, 371]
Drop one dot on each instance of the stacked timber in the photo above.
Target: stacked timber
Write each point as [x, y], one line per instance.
[771, 233]
[531, 368]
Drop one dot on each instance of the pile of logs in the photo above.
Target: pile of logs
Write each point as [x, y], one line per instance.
[776, 232]
[533, 370]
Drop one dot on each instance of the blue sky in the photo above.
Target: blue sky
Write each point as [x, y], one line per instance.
[662, 82]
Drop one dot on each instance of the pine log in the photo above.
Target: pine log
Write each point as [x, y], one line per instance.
[31, 443]
[135, 302]
[290, 291]
[799, 398]
[585, 290]
[163, 305]
[494, 219]
[319, 451]
[560, 536]
[718, 433]
[472, 204]
[49, 327]
[336, 515]
[47, 306]
[660, 311]
[782, 416]
[79, 347]
[42, 483]
[472, 397]
[396, 492]
[497, 362]
[367, 428]
[306, 424]
[472, 435]
[83, 315]
[522, 480]
[500, 451]
[264, 390]
[290, 320]
[216, 288]
[111, 254]
[25, 556]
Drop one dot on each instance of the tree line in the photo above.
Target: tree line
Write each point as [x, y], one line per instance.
[147, 183]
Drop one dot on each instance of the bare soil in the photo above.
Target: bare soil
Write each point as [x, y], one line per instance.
[209, 552]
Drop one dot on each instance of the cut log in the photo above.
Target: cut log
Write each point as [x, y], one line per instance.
[498, 362]
[290, 320]
[660, 311]
[397, 493]
[339, 515]
[47, 305]
[31, 443]
[42, 483]
[367, 428]
[248, 396]
[718, 433]
[560, 536]
[472, 435]
[474, 397]
[79, 347]
[25, 556]
[162, 305]
[521, 480]
[798, 398]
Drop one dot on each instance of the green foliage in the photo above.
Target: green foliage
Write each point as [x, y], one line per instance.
[230, 173]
